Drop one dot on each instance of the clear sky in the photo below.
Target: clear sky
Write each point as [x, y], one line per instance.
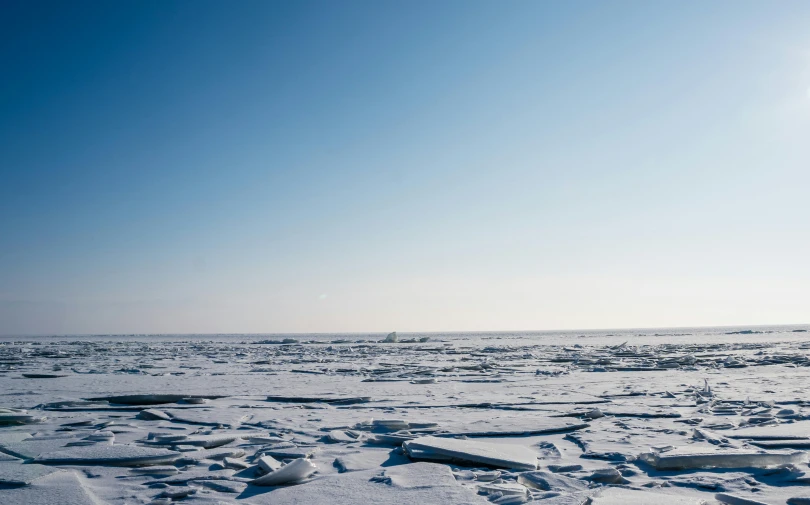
[336, 166]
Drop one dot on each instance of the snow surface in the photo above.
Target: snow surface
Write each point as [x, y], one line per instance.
[684, 416]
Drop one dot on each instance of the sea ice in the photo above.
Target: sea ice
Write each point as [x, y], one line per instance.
[115, 455]
[416, 483]
[498, 455]
[294, 471]
[682, 459]
[15, 473]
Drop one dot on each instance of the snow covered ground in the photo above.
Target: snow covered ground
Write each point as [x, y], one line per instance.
[686, 416]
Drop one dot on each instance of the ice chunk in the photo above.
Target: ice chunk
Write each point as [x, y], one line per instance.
[682, 459]
[607, 476]
[341, 436]
[294, 471]
[551, 482]
[268, 464]
[234, 463]
[736, 500]
[287, 450]
[391, 338]
[114, 455]
[486, 453]
[504, 488]
[391, 424]
[153, 415]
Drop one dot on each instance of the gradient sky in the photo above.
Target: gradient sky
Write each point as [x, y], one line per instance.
[258, 166]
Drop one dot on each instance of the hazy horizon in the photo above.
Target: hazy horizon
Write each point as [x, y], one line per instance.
[754, 327]
[318, 167]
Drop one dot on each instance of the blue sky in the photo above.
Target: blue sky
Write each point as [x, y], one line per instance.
[370, 166]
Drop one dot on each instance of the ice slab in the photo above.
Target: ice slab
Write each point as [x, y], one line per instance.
[351, 400]
[114, 455]
[367, 459]
[547, 481]
[208, 416]
[34, 446]
[204, 441]
[782, 444]
[682, 459]
[153, 415]
[147, 399]
[511, 426]
[267, 464]
[19, 418]
[486, 453]
[294, 471]
[416, 483]
[793, 431]
[730, 499]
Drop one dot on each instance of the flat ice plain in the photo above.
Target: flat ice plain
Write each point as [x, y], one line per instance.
[680, 416]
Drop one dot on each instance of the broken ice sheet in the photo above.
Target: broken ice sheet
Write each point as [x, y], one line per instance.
[788, 431]
[115, 455]
[511, 426]
[147, 399]
[501, 455]
[15, 473]
[368, 459]
[622, 440]
[417, 483]
[687, 458]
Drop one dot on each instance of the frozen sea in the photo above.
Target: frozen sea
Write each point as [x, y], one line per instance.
[667, 415]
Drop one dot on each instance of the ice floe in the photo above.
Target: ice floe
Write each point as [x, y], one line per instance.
[484, 453]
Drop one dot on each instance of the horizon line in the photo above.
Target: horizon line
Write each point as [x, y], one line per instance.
[783, 325]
